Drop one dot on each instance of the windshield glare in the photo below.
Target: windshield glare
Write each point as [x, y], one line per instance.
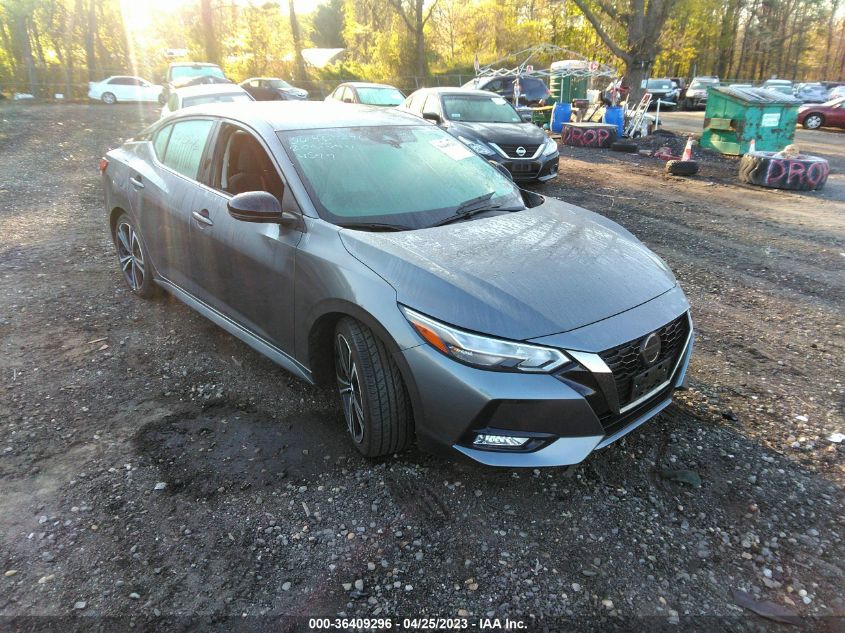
[380, 96]
[477, 109]
[182, 72]
[657, 84]
[702, 84]
[278, 83]
[411, 176]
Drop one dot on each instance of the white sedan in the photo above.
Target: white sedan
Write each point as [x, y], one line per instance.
[123, 88]
[204, 93]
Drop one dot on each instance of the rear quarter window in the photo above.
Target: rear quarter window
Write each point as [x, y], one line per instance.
[160, 141]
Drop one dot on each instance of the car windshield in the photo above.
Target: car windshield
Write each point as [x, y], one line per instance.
[278, 83]
[834, 102]
[659, 84]
[380, 96]
[479, 109]
[409, 177]
[227, 97]
[187, 72]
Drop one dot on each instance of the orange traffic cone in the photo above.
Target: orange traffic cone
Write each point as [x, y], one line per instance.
[751, 147]
[687, 155]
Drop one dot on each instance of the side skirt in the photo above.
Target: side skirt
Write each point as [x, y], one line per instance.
[238, 331]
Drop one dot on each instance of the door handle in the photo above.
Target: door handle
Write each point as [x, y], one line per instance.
[202, 217]
[136, 182]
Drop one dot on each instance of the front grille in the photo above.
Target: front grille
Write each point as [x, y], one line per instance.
[510, 150]
[625, 361]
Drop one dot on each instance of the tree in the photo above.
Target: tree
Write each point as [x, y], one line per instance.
[327, 25]
[212, 48]
[642, 22]
[297, 42]
[415, 17]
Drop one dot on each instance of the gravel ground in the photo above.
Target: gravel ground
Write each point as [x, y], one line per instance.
[158, 473]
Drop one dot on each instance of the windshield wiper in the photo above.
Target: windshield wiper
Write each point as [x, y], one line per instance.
[470, 207]
[374, 226]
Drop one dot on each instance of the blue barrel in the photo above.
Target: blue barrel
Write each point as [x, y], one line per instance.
[615, 116]
[561, 114]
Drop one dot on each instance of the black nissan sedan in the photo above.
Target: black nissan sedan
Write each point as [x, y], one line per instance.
[364, 248]
[489, 126]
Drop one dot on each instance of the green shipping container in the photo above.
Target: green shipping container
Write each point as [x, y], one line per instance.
[734, 116]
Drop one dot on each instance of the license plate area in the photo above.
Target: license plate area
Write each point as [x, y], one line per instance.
[650, 378]
[522, 167]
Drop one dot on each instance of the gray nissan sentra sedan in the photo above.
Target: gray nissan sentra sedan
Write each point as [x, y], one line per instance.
[370, 250]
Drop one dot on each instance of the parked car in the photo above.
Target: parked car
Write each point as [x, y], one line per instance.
[810, 93]
[489, 126]
[198, 95]
[533, 91]
[123, 88]
[696, 94]
[836, 92]
[829, 114]
[272, 89]
[367, 94]
[367, 249]
[778, 85]
[184, 74]
[662, 89]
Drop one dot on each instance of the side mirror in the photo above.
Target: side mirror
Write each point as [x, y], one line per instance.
[432, 116]
[261, 207]
[527, 117]
[502, 169]
[347, 99]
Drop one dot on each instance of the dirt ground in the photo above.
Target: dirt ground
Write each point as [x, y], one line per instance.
[157, 473]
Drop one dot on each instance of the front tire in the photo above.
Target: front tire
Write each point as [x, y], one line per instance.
[108, 98]
[134, 259]
[373, 397]
[813, 121]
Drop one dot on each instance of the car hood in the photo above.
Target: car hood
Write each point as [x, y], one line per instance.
[522, 275]
[500, 133]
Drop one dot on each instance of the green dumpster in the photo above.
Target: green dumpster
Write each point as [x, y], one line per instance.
[735, 116]
[567, 88]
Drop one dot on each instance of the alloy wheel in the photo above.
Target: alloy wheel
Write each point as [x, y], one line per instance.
[130, 255]
[813, 121]
[349, 386]
[109, 98]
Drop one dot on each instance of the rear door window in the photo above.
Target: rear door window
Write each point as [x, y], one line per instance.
[186, 145]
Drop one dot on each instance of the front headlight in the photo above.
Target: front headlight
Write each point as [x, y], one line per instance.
[475, 146]
[482, 351]
[550, 147]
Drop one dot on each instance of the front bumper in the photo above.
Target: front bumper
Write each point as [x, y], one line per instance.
[541, 168]
[564, 415]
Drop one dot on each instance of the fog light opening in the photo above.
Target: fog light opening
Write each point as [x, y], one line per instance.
[499, 441]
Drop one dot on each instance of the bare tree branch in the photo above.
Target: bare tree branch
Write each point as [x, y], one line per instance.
[593, 19]
[430, 11]
[397, 4]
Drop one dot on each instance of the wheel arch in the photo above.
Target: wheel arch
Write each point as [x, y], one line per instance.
[320, 342]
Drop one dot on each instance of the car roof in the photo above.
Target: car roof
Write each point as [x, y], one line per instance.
[366, 84]
[459, 91]
[306, 115]
[208, 89]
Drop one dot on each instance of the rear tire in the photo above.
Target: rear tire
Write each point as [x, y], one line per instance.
[108, 98]
[373, 397]
[134, 260]
[682, 167]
